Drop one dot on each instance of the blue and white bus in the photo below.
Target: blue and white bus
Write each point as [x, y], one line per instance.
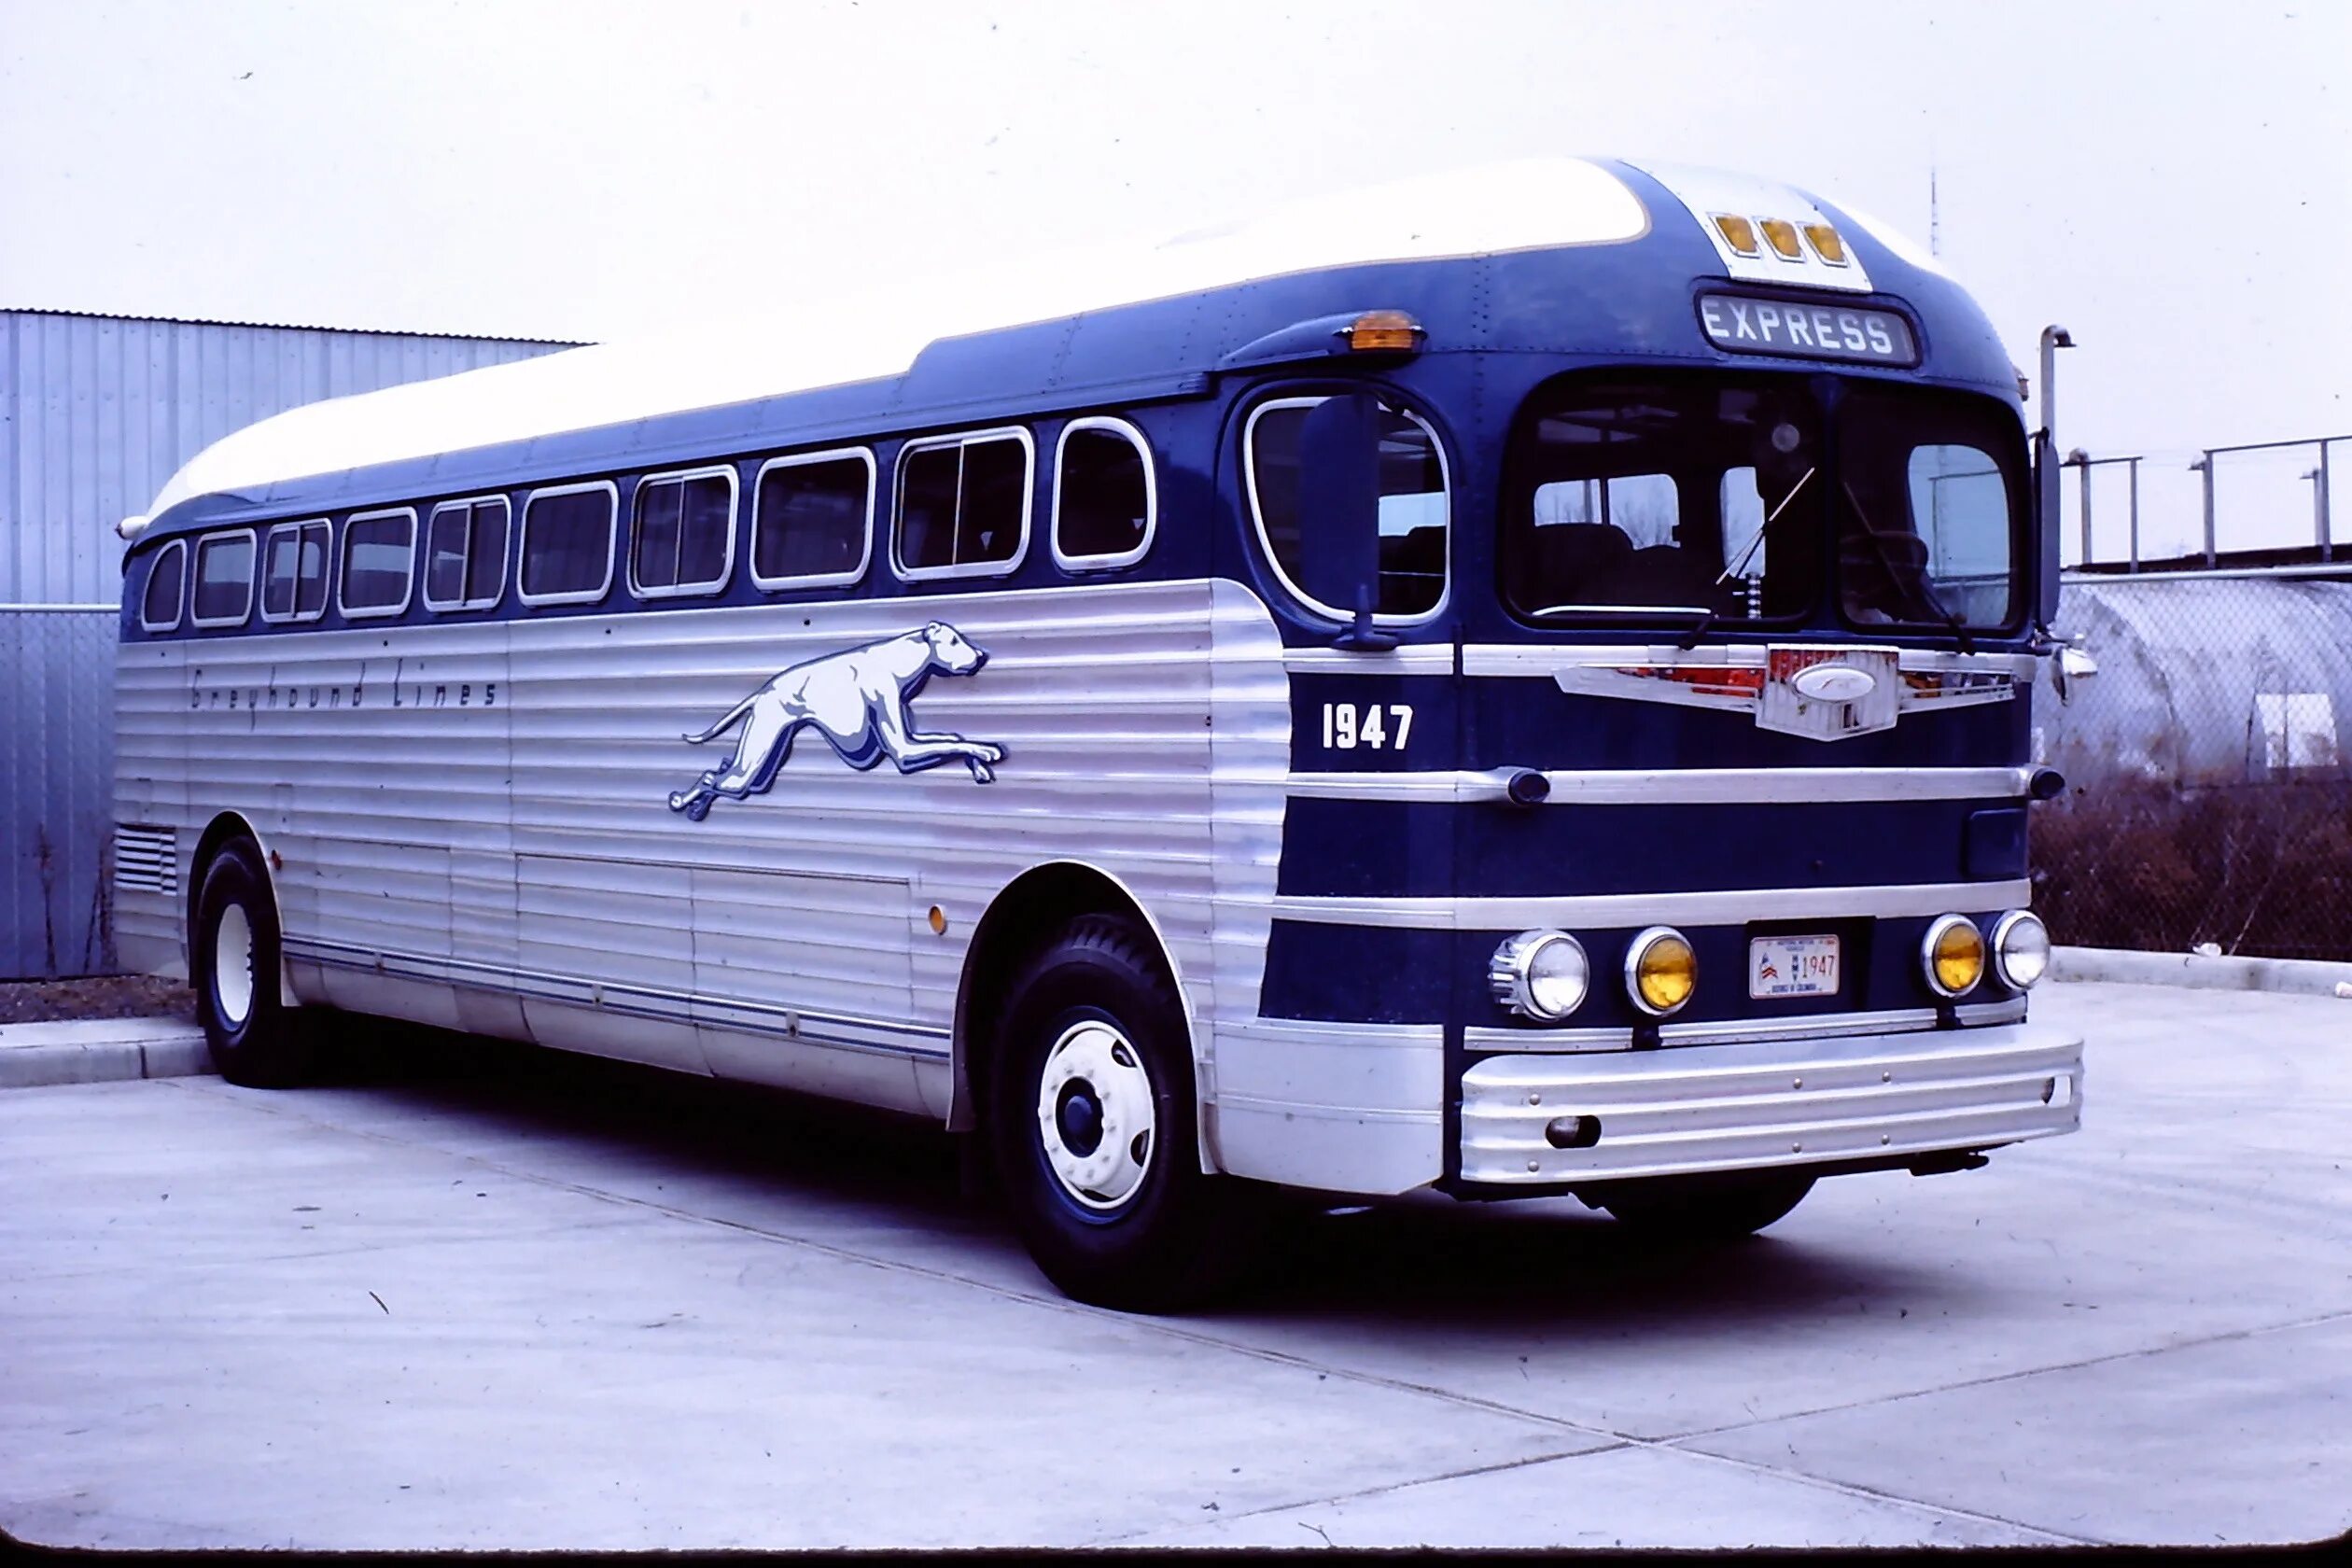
[1516, 684]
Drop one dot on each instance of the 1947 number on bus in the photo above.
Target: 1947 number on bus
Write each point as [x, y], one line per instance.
[1346, 726]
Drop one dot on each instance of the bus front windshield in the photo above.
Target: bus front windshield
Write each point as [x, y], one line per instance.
[1714, 500]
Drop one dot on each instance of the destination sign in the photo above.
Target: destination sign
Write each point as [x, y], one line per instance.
[1746, 325]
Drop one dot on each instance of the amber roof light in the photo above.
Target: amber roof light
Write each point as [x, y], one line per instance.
[1390, 329]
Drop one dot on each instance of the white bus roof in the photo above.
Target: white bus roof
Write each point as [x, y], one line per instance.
[830, 342]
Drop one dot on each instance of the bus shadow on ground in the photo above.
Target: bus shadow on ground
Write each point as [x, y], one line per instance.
[1422, 1258]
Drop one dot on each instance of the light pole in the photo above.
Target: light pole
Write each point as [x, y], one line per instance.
[2205, 465]
[2080, 459]
[2318, 478]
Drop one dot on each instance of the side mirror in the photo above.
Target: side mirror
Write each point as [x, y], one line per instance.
[1339, 512]
[2073, 664]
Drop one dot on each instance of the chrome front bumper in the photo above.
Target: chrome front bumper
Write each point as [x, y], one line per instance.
[1801, 1101]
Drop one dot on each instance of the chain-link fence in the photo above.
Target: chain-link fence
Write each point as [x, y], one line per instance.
[2209, 786]
[56, 789]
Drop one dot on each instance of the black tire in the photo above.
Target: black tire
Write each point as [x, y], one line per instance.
[1708, 1208]
[256, 1039]
[1176, 1236]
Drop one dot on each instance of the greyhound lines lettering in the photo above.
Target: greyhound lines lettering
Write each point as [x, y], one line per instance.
[858, 699]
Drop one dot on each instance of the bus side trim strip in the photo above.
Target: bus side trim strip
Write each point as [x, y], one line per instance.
[1677, 786]
[757, 1018]
[1609, 910]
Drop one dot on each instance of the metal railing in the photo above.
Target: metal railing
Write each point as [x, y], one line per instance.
[2323, 547]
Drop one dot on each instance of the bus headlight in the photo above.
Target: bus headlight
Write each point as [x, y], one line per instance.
[1661, 971]
[1952, 957]
[2021, 949]
[1540, 974]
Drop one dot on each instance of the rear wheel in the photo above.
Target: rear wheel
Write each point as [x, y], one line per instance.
[1707, 1208]
[1091, 1120]
[256, 1039]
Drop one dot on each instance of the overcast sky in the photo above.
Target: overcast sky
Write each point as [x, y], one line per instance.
[2172, 182]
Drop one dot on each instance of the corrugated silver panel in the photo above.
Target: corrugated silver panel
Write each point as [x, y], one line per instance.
[498, 793]
[56, 785]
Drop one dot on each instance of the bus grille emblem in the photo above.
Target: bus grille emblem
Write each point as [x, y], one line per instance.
[1823, 693]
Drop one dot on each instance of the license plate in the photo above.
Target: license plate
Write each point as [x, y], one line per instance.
[1793, 966]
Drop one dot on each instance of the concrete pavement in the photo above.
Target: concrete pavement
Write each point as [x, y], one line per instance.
[557, 1304]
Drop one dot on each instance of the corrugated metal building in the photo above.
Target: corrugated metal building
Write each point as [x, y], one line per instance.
[95, 413]
[2208, 764]
[2208, 683]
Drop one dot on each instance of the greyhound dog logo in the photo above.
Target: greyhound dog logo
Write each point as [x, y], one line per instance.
[858, 700]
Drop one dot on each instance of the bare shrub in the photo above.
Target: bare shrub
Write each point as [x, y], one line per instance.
[2257, 869]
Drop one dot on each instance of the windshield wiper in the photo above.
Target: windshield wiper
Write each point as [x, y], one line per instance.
[1738, 567]
[1707, 618]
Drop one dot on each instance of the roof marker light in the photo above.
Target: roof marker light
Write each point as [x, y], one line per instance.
[1781, 235]
[1739, 234]
[1826, 244]
[1389, 330]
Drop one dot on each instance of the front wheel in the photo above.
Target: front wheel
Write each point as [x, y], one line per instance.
[1708, 1208]
[1091, 1120]
[255, 1038]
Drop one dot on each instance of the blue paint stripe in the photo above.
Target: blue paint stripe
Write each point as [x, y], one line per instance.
[1438, 849]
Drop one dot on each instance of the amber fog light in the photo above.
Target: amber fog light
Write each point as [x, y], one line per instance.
[1661, 971]
[1952, 957]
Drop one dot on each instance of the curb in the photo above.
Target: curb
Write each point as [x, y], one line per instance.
[2201, 972]
[99, 1051]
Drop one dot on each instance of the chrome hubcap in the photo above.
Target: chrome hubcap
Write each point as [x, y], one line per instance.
[1096, 1115]
[232, 966]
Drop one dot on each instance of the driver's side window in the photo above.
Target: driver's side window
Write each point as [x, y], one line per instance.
[1415, 505]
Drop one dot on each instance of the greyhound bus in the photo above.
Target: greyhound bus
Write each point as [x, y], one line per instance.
[1516, 684]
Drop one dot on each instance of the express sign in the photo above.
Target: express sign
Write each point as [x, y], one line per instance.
[1745, 325]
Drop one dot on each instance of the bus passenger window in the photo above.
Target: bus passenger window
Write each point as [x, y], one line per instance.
[224, 580]
[378, 548]
[160, 608]
[684, 533]
[465, 554]
[1641, 507]
[1415, 512]
[568, 543]
[1103, 495]
[963, 505]
[812, 519]
[294, 572]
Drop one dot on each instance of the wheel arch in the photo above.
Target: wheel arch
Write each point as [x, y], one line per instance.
[1024, 914]
[224, 827]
